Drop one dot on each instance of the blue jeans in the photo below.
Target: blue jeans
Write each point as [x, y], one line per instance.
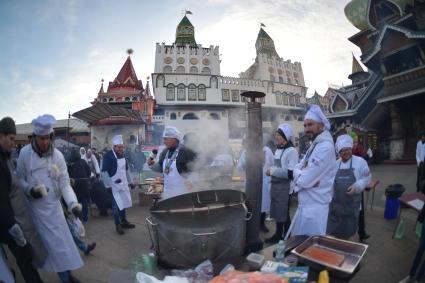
[418, 258]
[119, 215]
[65, 276]
[85, 211]
[77, 240]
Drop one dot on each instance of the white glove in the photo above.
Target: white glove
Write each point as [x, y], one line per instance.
[18, 235]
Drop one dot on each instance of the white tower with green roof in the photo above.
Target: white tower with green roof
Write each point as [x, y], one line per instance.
[269, 66]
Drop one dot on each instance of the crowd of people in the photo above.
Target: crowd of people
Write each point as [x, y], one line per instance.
[47, 197]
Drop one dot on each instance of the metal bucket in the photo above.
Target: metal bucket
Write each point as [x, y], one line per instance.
[188, 229]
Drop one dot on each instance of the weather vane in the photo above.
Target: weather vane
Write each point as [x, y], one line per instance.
[186, 12]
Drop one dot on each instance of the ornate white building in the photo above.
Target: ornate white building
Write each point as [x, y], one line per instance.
[190, 91]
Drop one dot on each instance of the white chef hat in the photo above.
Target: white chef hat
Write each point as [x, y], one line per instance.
[315, 113]
[287, 130]
[43, 125]
[117, 140]
[343, 141]
[172, 132]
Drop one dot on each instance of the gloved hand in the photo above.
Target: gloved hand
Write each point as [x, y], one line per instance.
[18, 236]
[131, 185]
[97, 176]
[77, 210]
[38, 191]
[118, 181]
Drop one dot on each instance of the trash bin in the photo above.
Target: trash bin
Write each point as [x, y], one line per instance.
[392, 204]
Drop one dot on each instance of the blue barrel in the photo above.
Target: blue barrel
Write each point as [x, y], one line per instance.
[391, 208]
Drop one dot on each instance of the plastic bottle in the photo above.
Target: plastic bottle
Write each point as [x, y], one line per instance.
[323, 277]
[280, 251]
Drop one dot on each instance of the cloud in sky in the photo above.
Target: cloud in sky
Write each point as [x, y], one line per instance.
[56, 52]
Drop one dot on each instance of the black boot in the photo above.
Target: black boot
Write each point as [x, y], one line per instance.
[127, 225]
[263, 227]
[90, 247]
[119, 229]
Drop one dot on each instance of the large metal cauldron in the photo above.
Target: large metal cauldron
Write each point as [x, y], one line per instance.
[188, 229]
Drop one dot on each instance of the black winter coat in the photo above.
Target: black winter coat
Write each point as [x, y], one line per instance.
[79, 170]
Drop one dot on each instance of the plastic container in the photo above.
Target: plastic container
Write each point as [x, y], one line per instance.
[280, 251]
[391, 208]
[291, 260]
[255, 261]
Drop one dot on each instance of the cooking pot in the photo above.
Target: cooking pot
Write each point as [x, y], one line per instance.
[187, 229]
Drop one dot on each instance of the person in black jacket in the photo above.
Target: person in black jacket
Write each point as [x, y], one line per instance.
[16, 227]
[415, 276]
[175, 162]
[80, 172]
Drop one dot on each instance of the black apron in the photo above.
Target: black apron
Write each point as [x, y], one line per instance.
[344, 209]
[279, 194]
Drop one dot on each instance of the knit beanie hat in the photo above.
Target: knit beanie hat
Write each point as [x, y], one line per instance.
[7, 126]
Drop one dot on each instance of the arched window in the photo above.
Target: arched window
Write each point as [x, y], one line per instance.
[160, 80]
[173, 116]
[278, 99]
[297, 100]
[206, 71]
[214, 82]
[171, 95]
[111, 99]
[181, 92]
[190, 116]
[193, 70]
[214, 116]
[192, 92]
[168, 69]
[280, 79]
[105, 100]
[134, 98]
[180, 70]
[285, 99]
[272, 78]
[127, 99]
[292, 100]
[202, 93]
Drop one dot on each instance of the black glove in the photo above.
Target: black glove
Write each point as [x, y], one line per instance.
[131, 186]
[77, 212]
[118, 181]
[97, 175]
[35, 195]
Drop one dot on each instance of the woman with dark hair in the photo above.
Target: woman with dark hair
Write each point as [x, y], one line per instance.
[285, 159]
[80, 172]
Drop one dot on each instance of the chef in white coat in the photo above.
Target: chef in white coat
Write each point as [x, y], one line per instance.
[314, 176]
[115, 165]
[43, 175]
[265, 193]
[352, 177]
[175, 163]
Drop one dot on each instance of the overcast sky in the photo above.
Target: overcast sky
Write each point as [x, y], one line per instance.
[54, 53]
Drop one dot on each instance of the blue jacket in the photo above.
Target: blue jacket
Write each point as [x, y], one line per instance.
[110, 163]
